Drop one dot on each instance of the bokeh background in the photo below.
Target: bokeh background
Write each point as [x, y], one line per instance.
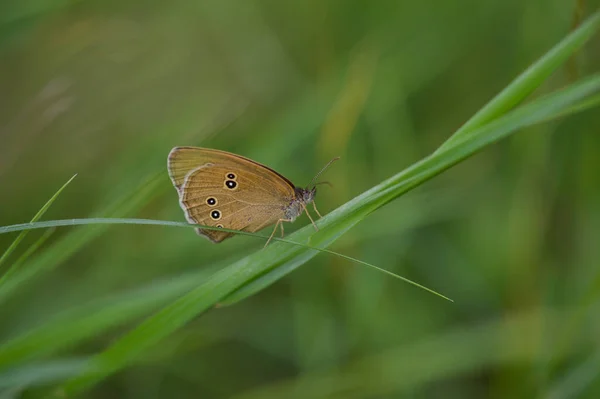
[105, 89]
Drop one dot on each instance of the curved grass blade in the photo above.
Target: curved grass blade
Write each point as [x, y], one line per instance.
[227, 281]
[90, 221]
[35, 218]
[71, 242]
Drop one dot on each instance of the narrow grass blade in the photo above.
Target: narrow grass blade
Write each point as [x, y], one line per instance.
[37, 216]
[588, 103]
[70, 243]
[90, 221]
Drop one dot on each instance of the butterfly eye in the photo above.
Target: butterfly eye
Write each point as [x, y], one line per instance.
[231, 176]
[211, 201]
[230, 184]
[215, 215]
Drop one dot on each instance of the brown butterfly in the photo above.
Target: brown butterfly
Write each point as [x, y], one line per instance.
[221, 189]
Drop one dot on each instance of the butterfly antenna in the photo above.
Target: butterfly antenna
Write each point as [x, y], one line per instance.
[323, 170]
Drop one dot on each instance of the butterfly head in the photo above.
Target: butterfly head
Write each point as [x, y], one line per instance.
[306, 195]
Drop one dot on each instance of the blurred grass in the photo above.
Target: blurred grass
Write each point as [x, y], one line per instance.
[106, 89]
[456, 352]
[263, 268]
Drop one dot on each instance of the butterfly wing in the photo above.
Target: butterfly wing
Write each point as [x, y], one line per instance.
[221, 189]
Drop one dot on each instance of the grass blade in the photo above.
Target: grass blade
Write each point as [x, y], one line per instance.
[37, 216]
[91, 221]
[527, 115]
[69, 244]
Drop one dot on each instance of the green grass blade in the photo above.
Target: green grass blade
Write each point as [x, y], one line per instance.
[69, 244]
[91, 221]
[530, 79]
[530, 114]
[588, 103]
[37, 216]
[280, 255]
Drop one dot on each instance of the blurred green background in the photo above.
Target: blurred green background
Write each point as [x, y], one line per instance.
[105, 89]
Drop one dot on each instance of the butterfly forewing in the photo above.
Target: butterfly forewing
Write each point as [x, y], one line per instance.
[221, 189]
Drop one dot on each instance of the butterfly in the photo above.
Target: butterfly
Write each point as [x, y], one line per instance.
[226, 190]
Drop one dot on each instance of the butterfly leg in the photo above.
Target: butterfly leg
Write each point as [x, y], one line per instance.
[316, 210]
[311, 219]
[279, 223]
